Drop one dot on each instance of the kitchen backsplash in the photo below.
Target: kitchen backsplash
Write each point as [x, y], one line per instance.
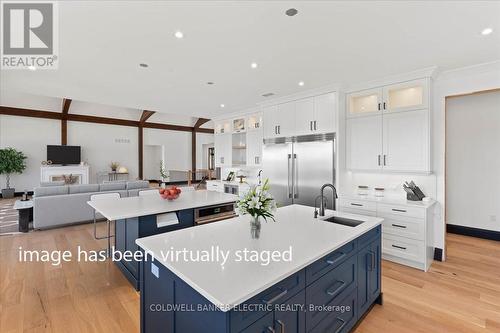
[393, 183]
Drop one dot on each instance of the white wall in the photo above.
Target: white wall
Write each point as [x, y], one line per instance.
[102, 144]
[473, 160]
[31, 136]
[177, 147]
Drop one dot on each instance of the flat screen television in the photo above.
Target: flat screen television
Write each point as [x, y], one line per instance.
[64, 154]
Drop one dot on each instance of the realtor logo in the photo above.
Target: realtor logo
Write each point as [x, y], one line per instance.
[29, 35]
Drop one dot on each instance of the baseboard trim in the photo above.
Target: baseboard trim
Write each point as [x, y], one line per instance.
[19, 194]
[473, 232]
[438, 254]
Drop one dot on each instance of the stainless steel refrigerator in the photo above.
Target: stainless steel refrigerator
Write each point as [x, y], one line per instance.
[298, 166]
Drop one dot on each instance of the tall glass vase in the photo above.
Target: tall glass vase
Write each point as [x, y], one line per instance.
[255, 226]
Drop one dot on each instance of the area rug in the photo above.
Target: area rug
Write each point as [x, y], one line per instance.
[8, 217]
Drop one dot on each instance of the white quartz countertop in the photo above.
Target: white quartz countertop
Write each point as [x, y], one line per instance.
[388, 199]
[123, 208]
[233, 283]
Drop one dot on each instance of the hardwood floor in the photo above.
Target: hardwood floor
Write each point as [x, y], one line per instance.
[460, 295]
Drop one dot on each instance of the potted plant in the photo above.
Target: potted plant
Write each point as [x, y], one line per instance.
[11, 161]
[163, 173]
[257, 203]
[114, 166]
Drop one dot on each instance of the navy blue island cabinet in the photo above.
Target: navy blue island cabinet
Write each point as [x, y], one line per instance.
[128, 230]
[330, 295]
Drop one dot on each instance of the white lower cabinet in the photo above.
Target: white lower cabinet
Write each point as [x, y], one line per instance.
[407, 229]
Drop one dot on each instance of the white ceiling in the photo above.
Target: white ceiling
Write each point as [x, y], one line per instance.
[102, 43]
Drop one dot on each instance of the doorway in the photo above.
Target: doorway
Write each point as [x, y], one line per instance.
[472, 164]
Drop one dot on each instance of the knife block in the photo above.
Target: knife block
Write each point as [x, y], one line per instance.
[417, 194]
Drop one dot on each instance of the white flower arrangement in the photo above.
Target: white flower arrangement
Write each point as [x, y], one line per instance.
[258, 202]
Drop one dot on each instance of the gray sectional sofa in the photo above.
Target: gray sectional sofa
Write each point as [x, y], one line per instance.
[67, 204]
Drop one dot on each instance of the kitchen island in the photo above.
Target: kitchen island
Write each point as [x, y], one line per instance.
[330, 281]
[143, 216]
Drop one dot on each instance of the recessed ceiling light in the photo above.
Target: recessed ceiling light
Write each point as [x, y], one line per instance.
[143, 65]
[222, 105]
[253, 65]
[301, 83]
[486, 31]
[178, 34]
[32, 68]
[291, 12]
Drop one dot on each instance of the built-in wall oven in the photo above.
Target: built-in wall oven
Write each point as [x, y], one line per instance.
[214, 213]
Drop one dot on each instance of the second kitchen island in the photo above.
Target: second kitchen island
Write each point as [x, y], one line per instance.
[331, 280]
[143, 216]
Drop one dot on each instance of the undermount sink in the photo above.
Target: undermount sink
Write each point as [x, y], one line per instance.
[343, 221]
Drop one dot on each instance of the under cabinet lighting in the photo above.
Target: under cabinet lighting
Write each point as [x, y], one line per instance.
[301, 83]
[222, 105]
[253, 65]
[178, 34]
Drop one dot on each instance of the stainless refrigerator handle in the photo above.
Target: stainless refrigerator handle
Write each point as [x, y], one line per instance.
[295, 177]
[288, 176]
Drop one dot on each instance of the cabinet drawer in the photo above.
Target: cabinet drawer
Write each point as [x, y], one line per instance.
[342, 319]
[400, 210]
[329, 262]
[358, 204]
[276, 294]
[408, 227]
[329, 290]
[405, 248]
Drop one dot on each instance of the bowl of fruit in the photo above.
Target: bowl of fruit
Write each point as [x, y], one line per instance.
[170, 193]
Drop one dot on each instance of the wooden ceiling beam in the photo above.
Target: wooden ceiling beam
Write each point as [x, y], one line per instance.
[65, 106]
[6, 110]
[200, 122]
[145, 116]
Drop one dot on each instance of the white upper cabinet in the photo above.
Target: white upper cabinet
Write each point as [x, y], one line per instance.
[364, 103]
[406, 141]
[254, 147]
[285, 119]
[399, 113]
[325, 115]
[411, 95]
[364, 143]
[223, 149]
[312, 115]
[270, 121]
[304, 116]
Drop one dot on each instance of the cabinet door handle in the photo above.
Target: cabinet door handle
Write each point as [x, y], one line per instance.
[341, 327]
[333, 261]
[399, 210]
[311, 125]
[379, 160]
[399, 247]
[399, 226]
[385, 160]
[315, 128]
[222, 159]
[279, 129]
[356, 204]
[282, 326]
[384, 106]
[332, 291]
[379, 106]
[275, 298]
[372, 255]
